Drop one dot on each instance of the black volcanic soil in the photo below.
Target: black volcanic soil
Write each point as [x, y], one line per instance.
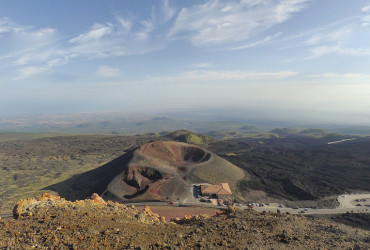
[300, 168]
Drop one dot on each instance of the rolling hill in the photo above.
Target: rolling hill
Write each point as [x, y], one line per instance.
[189, 137]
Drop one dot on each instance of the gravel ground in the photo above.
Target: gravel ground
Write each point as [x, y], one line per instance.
[53, 223]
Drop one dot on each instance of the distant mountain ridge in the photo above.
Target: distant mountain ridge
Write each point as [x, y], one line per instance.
[189, 137]
[310, 132]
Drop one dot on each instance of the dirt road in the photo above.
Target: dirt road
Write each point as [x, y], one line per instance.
[352, 203]
[351, 200]
[347, 204]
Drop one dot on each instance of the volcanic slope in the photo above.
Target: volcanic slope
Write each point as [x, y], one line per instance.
[166, 170]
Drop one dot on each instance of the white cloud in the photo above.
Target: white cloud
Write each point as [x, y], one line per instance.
[331, 75]
[34, 56]
[366, 20]
[97, 31]
[22, 36]
[197, 76]
[257, 43]
[125, 24]
[147, 28]
[37, 50]
[218, 22]
[333, 36]
[202, 65]
[6, 25]
[125, 36]
[27, 72]
[338, 49]
[168, 11]
[105, 71]
[29, 50]
[32, 50]
[366, 8]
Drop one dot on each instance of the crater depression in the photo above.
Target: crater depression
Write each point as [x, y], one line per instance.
[166, 170]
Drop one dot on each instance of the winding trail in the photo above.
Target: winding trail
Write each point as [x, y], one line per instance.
[344, 140]
[347, 203]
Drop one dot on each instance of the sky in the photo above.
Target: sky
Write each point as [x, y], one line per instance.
[289, 56]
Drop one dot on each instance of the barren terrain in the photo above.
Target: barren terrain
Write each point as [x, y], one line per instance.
[51, 222]
[300, 171]
[290, 170]
[166, 170]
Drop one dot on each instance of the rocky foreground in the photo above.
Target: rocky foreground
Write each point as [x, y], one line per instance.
[50, 222]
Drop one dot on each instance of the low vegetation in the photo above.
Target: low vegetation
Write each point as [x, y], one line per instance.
[29, 165]
[189, 137]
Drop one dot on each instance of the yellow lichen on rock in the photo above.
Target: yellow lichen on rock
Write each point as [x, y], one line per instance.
[96, 198]
[148, 217]
[189, 218]
[37, 206]
[47, 196]
[20, 207]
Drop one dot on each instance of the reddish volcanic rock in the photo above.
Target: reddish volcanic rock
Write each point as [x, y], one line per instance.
[50, 222]
[166, 170]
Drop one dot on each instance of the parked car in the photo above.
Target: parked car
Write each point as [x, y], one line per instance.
[281, 205]
[295, 207]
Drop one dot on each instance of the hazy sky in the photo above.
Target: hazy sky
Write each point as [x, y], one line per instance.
[141, 55]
